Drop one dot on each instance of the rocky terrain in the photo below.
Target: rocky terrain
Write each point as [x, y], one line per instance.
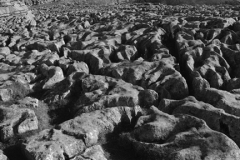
[119, 82]
[37, 2]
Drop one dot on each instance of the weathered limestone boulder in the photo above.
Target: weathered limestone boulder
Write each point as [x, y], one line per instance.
[109, 42]
[56, 47]
[162, 76]
[229, 37]
[163, 53]
[124, 52]
[174, 137]
[149, 97]
[43, 70]
[53, 144]
[16, 120]
[5, 51]
[29, 102]
[232, 56]
[185, 44]
[94, 58]
[6, 67]
[86, 24]
[49, 59]
[23, 77]
[14, 39]
[62, 92]
[208, 62]
[78, 67]
[36, 57]
[14, 90]
[99, 92]
[220, 22]
[148, 43]
[77, 138]
[5, 94]
[92, 127]
[216, 119]
[55, 75]
[4, 77]
[64, 63]
[95, 153]
[12, 59]
[228, 101]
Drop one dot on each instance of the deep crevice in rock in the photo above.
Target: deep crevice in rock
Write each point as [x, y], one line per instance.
[224, 128]
[14, 152]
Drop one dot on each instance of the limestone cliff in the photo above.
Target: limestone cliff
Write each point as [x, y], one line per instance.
[12, 7]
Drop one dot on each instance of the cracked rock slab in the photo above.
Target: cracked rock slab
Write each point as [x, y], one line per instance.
[174, 137]
[217, 119]
[99, 92]
[53, 144]
[78, 138]
[94, 126]
[16, 121]
[161, 76]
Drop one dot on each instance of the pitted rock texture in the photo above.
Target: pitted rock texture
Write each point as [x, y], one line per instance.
[16, 120]
[163, 136]
[120, 81]
[216, 119]
[80, 136]
[161, 76]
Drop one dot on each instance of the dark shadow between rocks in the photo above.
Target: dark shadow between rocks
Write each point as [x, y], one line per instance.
[14, 152]
[224, 128]
[112, 148]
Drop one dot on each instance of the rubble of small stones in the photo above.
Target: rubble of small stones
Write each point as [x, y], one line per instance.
[120, 82]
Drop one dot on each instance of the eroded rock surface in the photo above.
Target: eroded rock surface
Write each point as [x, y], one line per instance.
[216, 119]
[16, 120]
[80, 81]
[163, 136]
[79, 138]
[161, 76]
